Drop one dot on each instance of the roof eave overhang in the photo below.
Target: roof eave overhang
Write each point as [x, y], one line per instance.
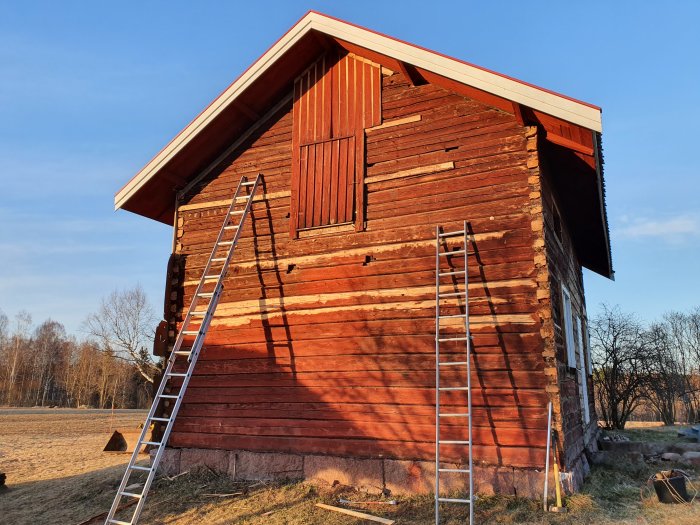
[576, 112]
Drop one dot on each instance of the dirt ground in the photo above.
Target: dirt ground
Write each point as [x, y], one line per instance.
[54, 463]
[57, 473]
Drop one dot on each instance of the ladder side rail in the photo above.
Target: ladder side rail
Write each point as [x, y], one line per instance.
[198, 343]
[200, 286]
[172, 357]
[437, 374]
[199, 340]
[165, 436]
[469, 371]
[239, 230]
[142, 437]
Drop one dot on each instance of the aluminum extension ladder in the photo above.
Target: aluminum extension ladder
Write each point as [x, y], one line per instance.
[214, 271]
[451, 291]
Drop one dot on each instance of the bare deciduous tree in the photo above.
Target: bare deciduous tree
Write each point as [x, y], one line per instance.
[15, 350]
[620, 360]
[48, 367]
[666, 382]
[683, 331]
[124, 326]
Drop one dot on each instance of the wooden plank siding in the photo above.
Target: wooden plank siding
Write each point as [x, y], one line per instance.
[326, 183]
[325, 344]
[335, 99]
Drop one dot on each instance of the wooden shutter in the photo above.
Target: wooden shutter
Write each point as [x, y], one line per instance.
[327, 183]
[335, 99]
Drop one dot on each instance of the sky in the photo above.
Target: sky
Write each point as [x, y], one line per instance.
[90, 91]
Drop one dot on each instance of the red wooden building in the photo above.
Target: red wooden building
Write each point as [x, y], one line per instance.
[320, 360]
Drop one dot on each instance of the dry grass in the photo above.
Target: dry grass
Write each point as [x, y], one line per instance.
[657, 433]
[643, 424]
[58, 474]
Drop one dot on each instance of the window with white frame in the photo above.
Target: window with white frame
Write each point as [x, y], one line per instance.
[567, 314]
[583, 383]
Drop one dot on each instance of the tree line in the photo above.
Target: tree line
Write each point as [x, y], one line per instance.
[110, 367]
[640, 367]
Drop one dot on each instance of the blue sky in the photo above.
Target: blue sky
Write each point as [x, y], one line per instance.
[90, 91]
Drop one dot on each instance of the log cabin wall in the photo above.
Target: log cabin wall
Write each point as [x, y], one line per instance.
[565, 271]
[324, 344]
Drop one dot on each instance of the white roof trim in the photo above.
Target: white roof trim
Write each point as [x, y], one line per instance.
[545, 101]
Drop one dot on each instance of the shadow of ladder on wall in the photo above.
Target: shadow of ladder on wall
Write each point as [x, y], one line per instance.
[199, 314]
[451, 289]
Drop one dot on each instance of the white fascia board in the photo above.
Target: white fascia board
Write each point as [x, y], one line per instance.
[212, 111]
[550, 103]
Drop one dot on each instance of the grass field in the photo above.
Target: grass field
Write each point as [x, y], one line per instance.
[57, 473]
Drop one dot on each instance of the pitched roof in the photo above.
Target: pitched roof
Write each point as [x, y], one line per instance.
[580, 113]
[264, 88]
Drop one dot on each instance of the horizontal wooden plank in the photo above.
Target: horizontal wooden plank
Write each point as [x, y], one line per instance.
[281, 413]
[372, 373]
[407, 431]
[495, 455]
[421, 170]
[411, 396]
[508, 351]
[393, 123]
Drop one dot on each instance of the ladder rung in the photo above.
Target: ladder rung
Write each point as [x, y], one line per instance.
[231, 227]
[454, 414]
[199, 313]
[452, 363]
[452, 339]
[182, 352]
[168, 396]
[444, 274]
[218, 259]
[131, 495]
[249, 183]
[452, 316]
[210, 277]
[452, 234]
[117, 522]
[447, 254]
[451, 294]
[455, 388]
[177, 374]
[453, 500]
[190, 332]
[236, 212]
[156, 443]
[205, 294]
[461, 470]
[160, 419]
[137, 467]
[453, 442]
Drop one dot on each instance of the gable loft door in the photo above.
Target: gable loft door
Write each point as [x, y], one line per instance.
[335, 99]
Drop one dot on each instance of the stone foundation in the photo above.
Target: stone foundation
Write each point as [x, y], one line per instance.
[369, 475]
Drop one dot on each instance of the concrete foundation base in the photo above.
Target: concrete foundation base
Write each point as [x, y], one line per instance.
[369, 475]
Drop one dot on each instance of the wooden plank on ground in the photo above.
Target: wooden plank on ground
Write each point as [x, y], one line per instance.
[356, 514]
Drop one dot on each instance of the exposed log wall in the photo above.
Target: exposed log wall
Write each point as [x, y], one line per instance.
[564, 269]
[325, 343]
